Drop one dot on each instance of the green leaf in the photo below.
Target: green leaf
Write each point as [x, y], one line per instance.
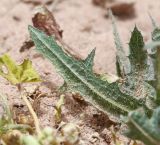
[156, 34]
[6, 121]
[103, 95]
[118, 68]
[157, 74]
[123, 64]
[58, 108]
[8, 127]
[29, 140]
[17, 73]
[136, 66]
[90, 59]
[7, 116]
[138, 55]
[154, 53]
[154, 25]
[135, 84]
[144, 129]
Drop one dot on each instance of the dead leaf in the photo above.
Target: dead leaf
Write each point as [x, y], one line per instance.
[77, 97]
[26, 45]
[123, 9]
[45, 21]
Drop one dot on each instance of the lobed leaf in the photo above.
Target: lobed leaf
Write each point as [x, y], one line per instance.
[122, 61]
[141, 70]
[88, 62]
[154, 53]
[79, 78]
[138, 56]
[17, 73]
[135, 84]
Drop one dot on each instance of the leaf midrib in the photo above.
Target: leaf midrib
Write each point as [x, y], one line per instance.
[143, 132]
[83, 81]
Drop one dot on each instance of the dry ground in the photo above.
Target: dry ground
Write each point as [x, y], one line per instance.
[84, 28]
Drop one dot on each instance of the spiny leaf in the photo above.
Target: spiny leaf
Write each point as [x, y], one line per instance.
[106, 97]
[122, 59]
[138, 56]
[17, 73]
[135, 84]
[156, 34]
[144, 129]
[157, 73]
[153, 22]
[118, 68]
[155, 57]
[89, 60]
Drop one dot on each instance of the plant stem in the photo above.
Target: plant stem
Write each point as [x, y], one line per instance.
[35, 118]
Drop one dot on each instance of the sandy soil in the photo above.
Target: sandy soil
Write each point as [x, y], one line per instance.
[84, 28]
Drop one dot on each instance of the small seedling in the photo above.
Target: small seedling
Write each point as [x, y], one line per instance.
[58, 109]
[17, 75]
[21, 134]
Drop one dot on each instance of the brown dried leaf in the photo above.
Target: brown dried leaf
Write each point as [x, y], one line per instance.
[45, 21]
[26, 45]
[123, 9]
[77, 97]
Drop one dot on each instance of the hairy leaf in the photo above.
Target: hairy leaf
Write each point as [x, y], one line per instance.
[144, 129]
[105, 96]
[123, 64]
[137, 65]
[89, 60]
[17, 73]
[135, 83]
[154, 25]
[138, 56]
[134, 68]
[154, 53]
